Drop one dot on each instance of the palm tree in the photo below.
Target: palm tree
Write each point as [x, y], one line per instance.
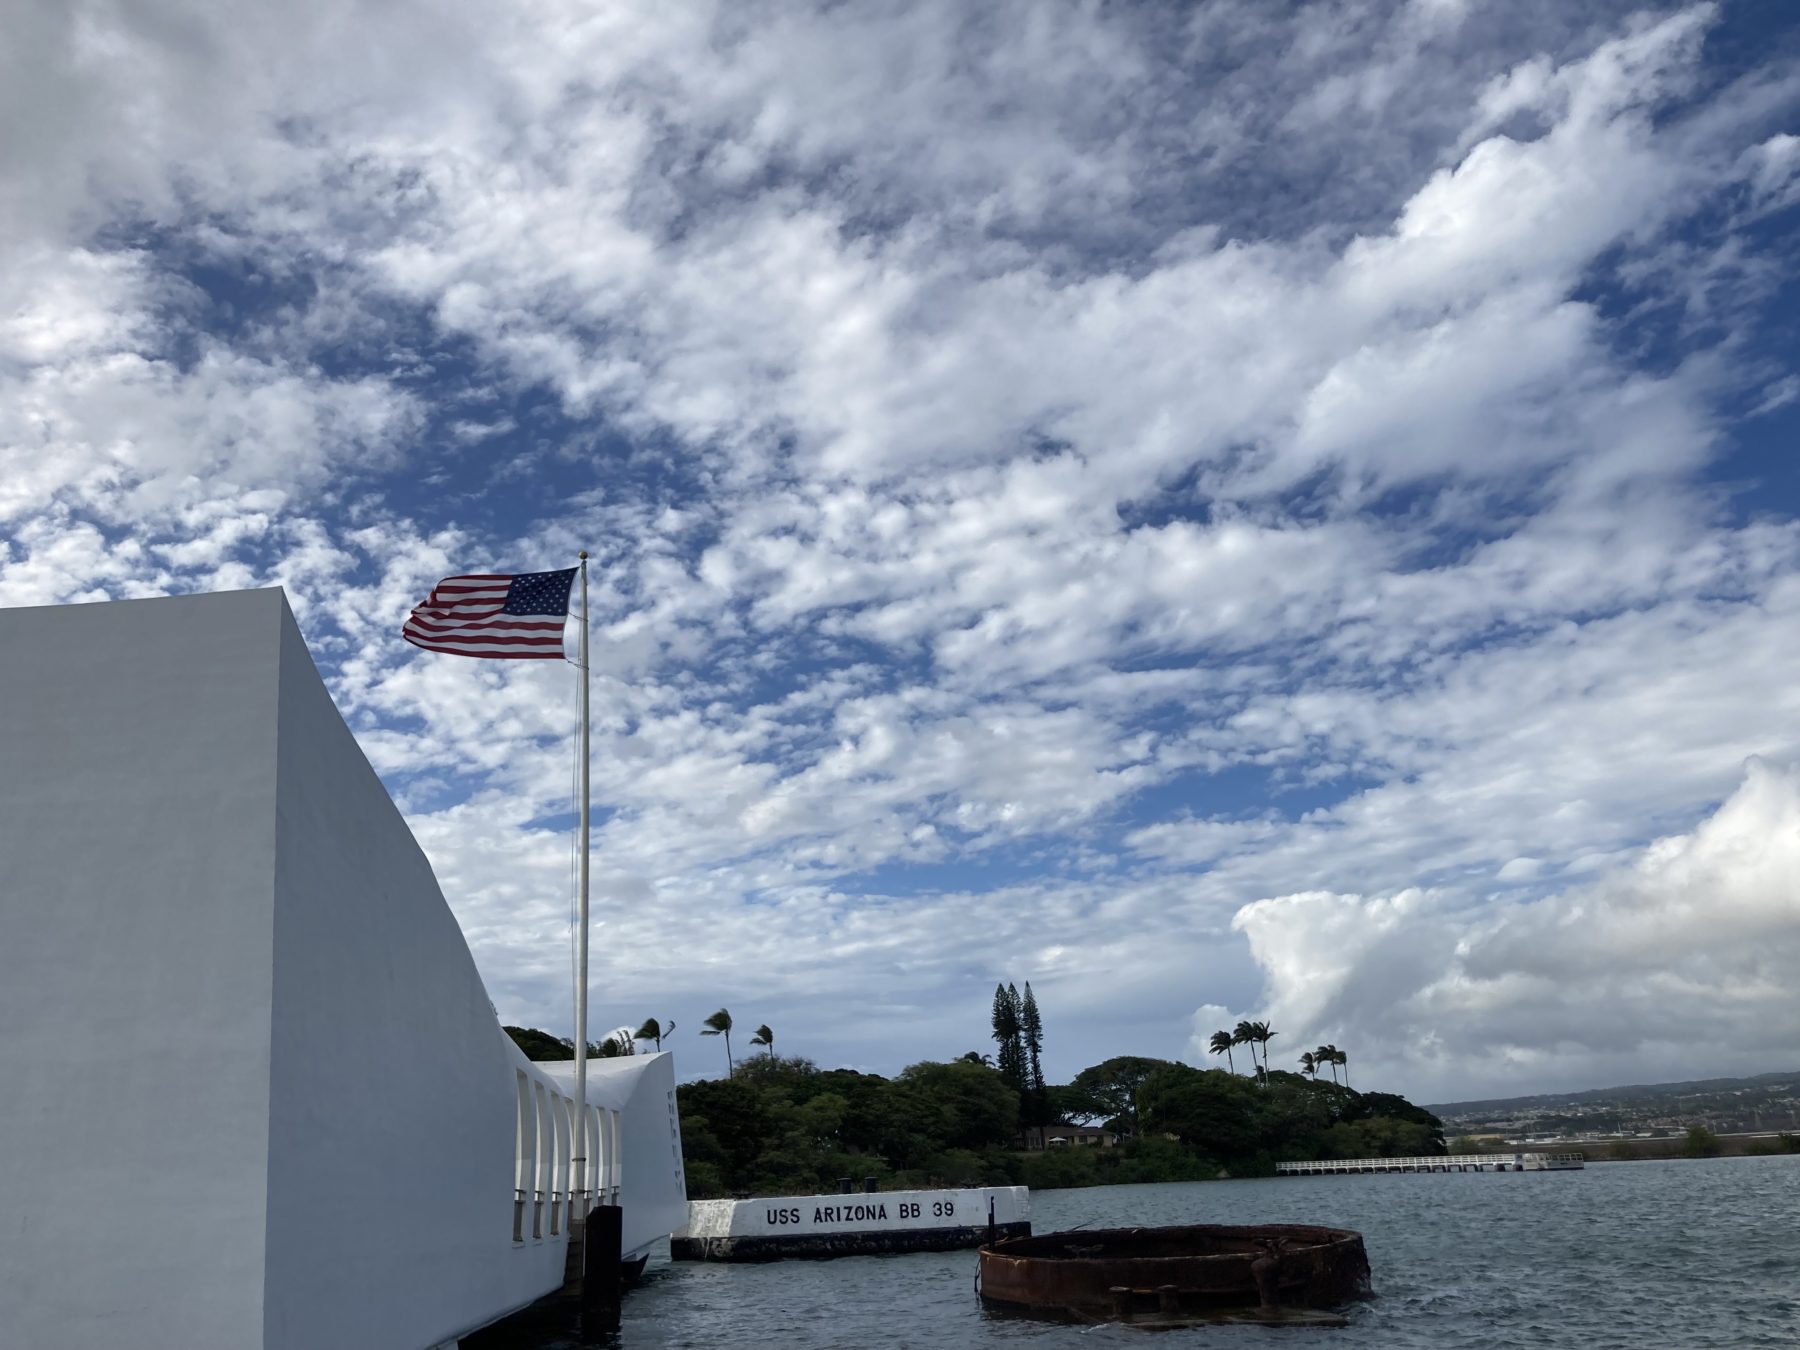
[1338, 1056]
[1221, 1045]
[1327, 1055]
[1244, 1033]
[616, 1044]
[1309, 1064]
[766, 1037]
[652, 1030]
[719, 1024]
[1261, 1034]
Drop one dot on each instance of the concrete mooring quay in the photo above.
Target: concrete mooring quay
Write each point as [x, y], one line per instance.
[1455, 1162]
[851, 1224]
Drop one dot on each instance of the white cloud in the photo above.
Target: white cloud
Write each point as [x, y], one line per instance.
[1239, 465]
[1687, 944]
[101, 414]
[1775, 172]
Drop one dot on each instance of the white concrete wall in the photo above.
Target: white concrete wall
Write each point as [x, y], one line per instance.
[252, 1092]
[392, 1102]
[137, 836]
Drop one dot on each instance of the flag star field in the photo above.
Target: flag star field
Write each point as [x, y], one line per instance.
[1220, 510]
[539, 593]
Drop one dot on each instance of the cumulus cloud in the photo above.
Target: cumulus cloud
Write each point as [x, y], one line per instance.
[1266, 464]
[1689, 942]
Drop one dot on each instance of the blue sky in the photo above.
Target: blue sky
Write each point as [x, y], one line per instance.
[1217, 510]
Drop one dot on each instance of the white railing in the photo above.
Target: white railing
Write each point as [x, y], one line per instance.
[545, 1137]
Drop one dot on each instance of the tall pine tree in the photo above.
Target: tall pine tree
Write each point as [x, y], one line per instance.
[1010, 1058]
[1021, 1065]
[1031, 1028]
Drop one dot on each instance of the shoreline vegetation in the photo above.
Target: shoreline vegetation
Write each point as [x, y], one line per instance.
[785, 1126]
[1696, 1142]
[782, 1125]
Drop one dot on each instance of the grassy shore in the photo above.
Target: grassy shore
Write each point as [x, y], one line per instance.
[1677, 1146]
[1669, 1146]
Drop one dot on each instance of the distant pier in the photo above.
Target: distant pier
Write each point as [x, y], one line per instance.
[1455, 1162]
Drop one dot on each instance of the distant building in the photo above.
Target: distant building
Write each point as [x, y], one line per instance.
[1064, 1136]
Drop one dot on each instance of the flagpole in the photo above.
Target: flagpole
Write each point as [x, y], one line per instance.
[580, 1158]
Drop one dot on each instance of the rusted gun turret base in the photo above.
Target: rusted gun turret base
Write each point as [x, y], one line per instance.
[1269, 1273]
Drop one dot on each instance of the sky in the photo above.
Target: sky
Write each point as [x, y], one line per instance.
[1218, 510]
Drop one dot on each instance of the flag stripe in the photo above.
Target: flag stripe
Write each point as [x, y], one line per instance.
[457, 615]
[549, 642]
[432, 625]
[488, 639]
[454, 649]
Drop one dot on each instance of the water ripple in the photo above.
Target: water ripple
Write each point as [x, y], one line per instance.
[1632, 1256]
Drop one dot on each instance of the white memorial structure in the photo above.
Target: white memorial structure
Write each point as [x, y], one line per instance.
[252, 1091]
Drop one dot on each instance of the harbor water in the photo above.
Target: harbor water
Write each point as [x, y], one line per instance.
[1691, 1254]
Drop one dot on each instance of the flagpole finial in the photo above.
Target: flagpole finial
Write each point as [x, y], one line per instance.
[583, 555]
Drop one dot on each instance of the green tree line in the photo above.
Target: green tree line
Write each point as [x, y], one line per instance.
[782, 1125]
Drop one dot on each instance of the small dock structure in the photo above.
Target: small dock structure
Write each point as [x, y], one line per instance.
[851, 1224]
[1454, 1162]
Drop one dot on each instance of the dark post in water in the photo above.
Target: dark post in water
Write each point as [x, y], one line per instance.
[601, 1284]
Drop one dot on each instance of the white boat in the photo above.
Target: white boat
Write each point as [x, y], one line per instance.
[1554, 1162]
[256, 1097]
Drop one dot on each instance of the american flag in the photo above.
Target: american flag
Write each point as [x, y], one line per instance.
[515, 617]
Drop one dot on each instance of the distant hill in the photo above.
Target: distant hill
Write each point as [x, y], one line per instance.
[1635, 1092]
[540, 1045]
